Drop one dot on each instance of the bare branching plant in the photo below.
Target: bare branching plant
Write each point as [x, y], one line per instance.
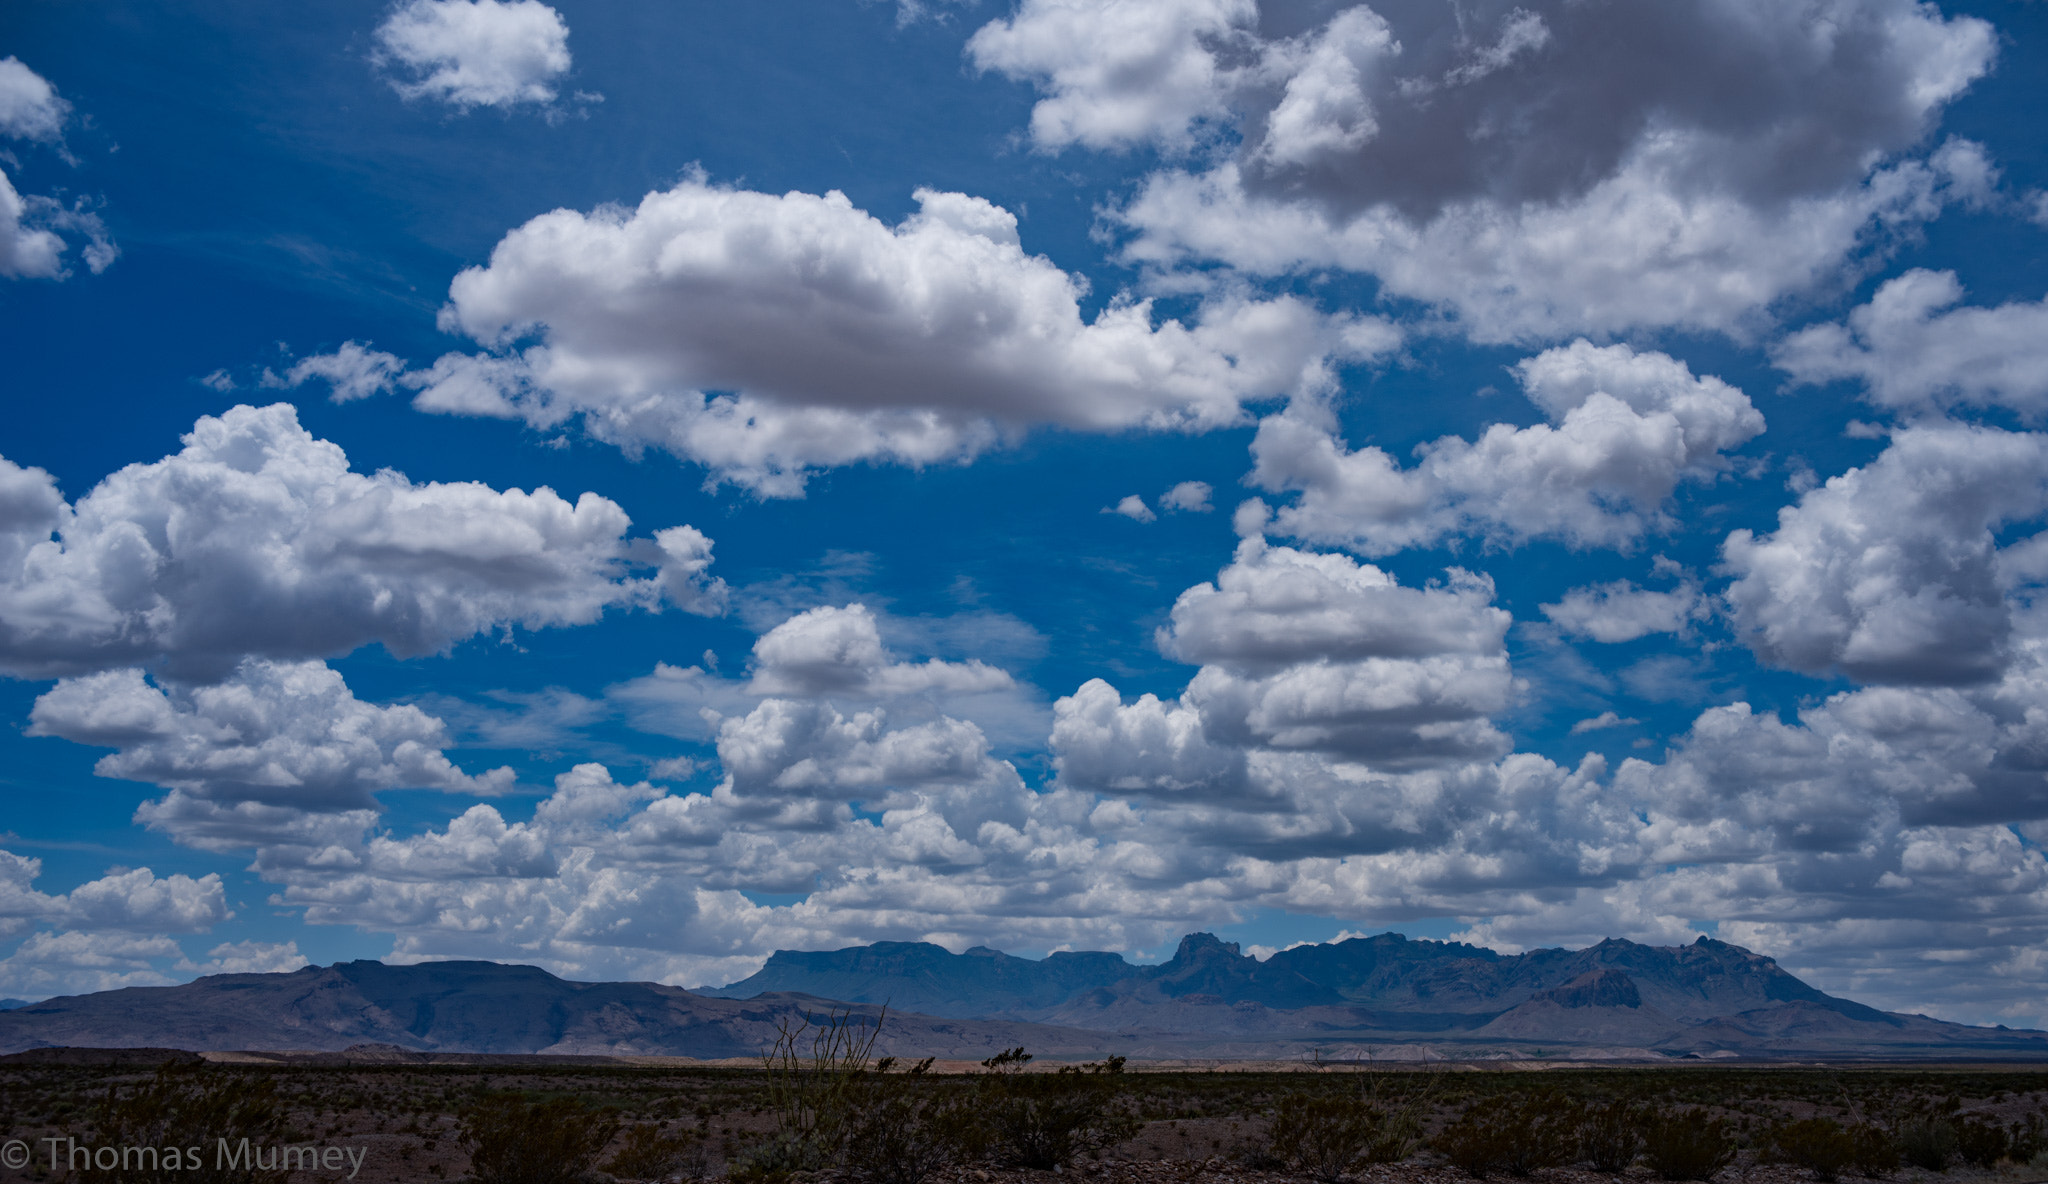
[815, 1070]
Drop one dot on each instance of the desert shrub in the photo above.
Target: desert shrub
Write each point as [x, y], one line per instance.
[1611, 1136]
[1512, 1135]
[513, 1141]
[1686, 1144]
[1876, 1150]
[1981, 1142]
[1255, 1154]
[776, 1158]
[1321, 1135]
[2030, 1138]
[649, 1154]
[1928, 1141]
[1046, 1120]
[185, 1107]
[901, 1129]
[1819, 1145]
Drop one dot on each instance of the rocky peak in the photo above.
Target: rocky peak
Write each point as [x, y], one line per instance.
[1203, 945]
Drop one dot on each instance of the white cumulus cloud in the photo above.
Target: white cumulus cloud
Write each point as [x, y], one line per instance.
[258, 539]
[1620, 611]
[30, 108]
[1913, 350]
[1191, 497]
[355, 371]
[281, 733]
[476, 53]
[1626, 428]
[1132, 507]
[764, 336]
[1890, 572]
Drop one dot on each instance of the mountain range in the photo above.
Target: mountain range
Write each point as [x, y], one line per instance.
[1700, 999]
[473, 1007]
[1374, 996]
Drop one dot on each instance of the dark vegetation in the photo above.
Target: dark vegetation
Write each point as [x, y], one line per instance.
[821, 1108]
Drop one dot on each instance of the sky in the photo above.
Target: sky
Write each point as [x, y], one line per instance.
[628, 488]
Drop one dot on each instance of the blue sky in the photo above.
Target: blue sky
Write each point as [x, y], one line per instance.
[632, 487]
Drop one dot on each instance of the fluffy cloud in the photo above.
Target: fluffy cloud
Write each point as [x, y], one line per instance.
[1117, 75]
[1620, 611]
[134, 900]
[1875, 842]
[32, 228]
[1334, 709]
[476, 53]
[838, 654]
[1304, 652]
[257, 539]
[30, 108]
[1190, 497]
[31, 245]
[75, 962]
[1914, 351]
[27, 251]
[1890, 572]
[1626, 428]
[1533, 175]
[630, 880]
[836, 339]
[1601, 722]
[137, 900]
[1134, 508]
[249, 957]
[355, 371]
[276, 733]
[831, 649]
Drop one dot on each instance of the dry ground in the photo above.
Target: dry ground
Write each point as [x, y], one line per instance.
[1201, 1126]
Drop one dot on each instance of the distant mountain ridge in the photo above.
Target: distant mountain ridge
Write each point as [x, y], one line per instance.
[476, 1007]
[1383, 996]
[1385, 973]
[1706, 997]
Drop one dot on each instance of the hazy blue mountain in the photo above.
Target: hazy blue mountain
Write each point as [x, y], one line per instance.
[1357, 997]
[481, 1007]
[1702, 997]
[1386, 973]
[919, 976]
[11, 1004]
